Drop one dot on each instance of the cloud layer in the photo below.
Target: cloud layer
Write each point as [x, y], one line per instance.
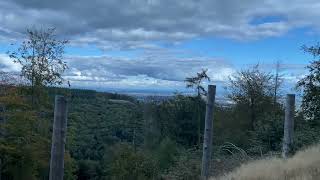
[143, 72]
[114, 24]
[156, 74]
[146, 24]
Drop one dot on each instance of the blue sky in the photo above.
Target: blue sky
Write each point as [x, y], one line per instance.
[152, 45]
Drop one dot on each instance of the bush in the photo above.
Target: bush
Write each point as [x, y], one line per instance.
[166, 154]
[89, 169]
[186, 167]
[267, 136]
[126, 163]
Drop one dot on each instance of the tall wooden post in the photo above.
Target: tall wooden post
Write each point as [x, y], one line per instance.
[207, 141]
[288, 126]
[58, 139]
[2, 132]
[0, 168]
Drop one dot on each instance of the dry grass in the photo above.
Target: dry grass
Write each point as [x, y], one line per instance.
[305, 165]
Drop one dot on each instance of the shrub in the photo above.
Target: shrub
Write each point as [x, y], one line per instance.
[187, 166]
[127, 163]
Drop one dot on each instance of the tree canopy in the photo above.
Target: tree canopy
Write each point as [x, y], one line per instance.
[41, 57]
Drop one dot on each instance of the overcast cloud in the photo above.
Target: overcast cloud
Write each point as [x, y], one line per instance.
[107, 21]
[143, 24]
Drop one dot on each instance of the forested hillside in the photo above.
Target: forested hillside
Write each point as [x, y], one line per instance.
[117, 137]
[112, 136]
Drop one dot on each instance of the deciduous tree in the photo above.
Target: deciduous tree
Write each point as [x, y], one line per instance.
[311, 85]
[251, 88]
[41, 58]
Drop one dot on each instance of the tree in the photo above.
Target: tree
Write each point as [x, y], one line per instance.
[23, 148]
[24, 135]
[196, 83]
[252, 89]
[41, 58]
[311, 86]
[277, 82]
[277, 87]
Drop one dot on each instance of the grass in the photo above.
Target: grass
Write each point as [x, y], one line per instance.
[305, 165]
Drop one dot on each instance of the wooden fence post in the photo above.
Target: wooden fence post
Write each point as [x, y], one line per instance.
[288, 126]
[2, 132]
[58, 139]
[207, 141]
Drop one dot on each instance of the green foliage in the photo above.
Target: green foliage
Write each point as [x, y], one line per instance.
[89, 169]
[252, 89]
[95, 122]
[267, 137]
[229, 121]
[41, 60]
[24, 150]
[165, 154]
[127, 163]
[311, 86]
[186, 167]
[257, 118]
[25, 137]
[196, 82]
[112, 136]
[40, 56]
[70, 167]
[177, 119]
[306, 133]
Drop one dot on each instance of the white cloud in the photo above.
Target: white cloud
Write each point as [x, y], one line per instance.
[7, 65]
[159, 72]
[118, 24]
[143, 25]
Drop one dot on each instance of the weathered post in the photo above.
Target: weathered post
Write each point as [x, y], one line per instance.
[58, 139]
[2, 133]
[288, 126]
[0, 168]
[207, 141]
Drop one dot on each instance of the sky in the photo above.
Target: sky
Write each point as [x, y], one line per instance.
[153, 45]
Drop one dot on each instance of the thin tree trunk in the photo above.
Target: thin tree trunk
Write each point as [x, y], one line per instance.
[276, 86]
[287, 148]
[198, 117]
[32, 93]
[207, 142]
[252, 115]
[276, 83]
[58, 139]
[199, 122]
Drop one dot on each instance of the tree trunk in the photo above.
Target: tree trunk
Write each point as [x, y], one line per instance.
[276, 86]
[207, 142]
[32, 89]
[287, 149]
[198, 117]
[252, 115]
[199, 121]
[58, 139]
